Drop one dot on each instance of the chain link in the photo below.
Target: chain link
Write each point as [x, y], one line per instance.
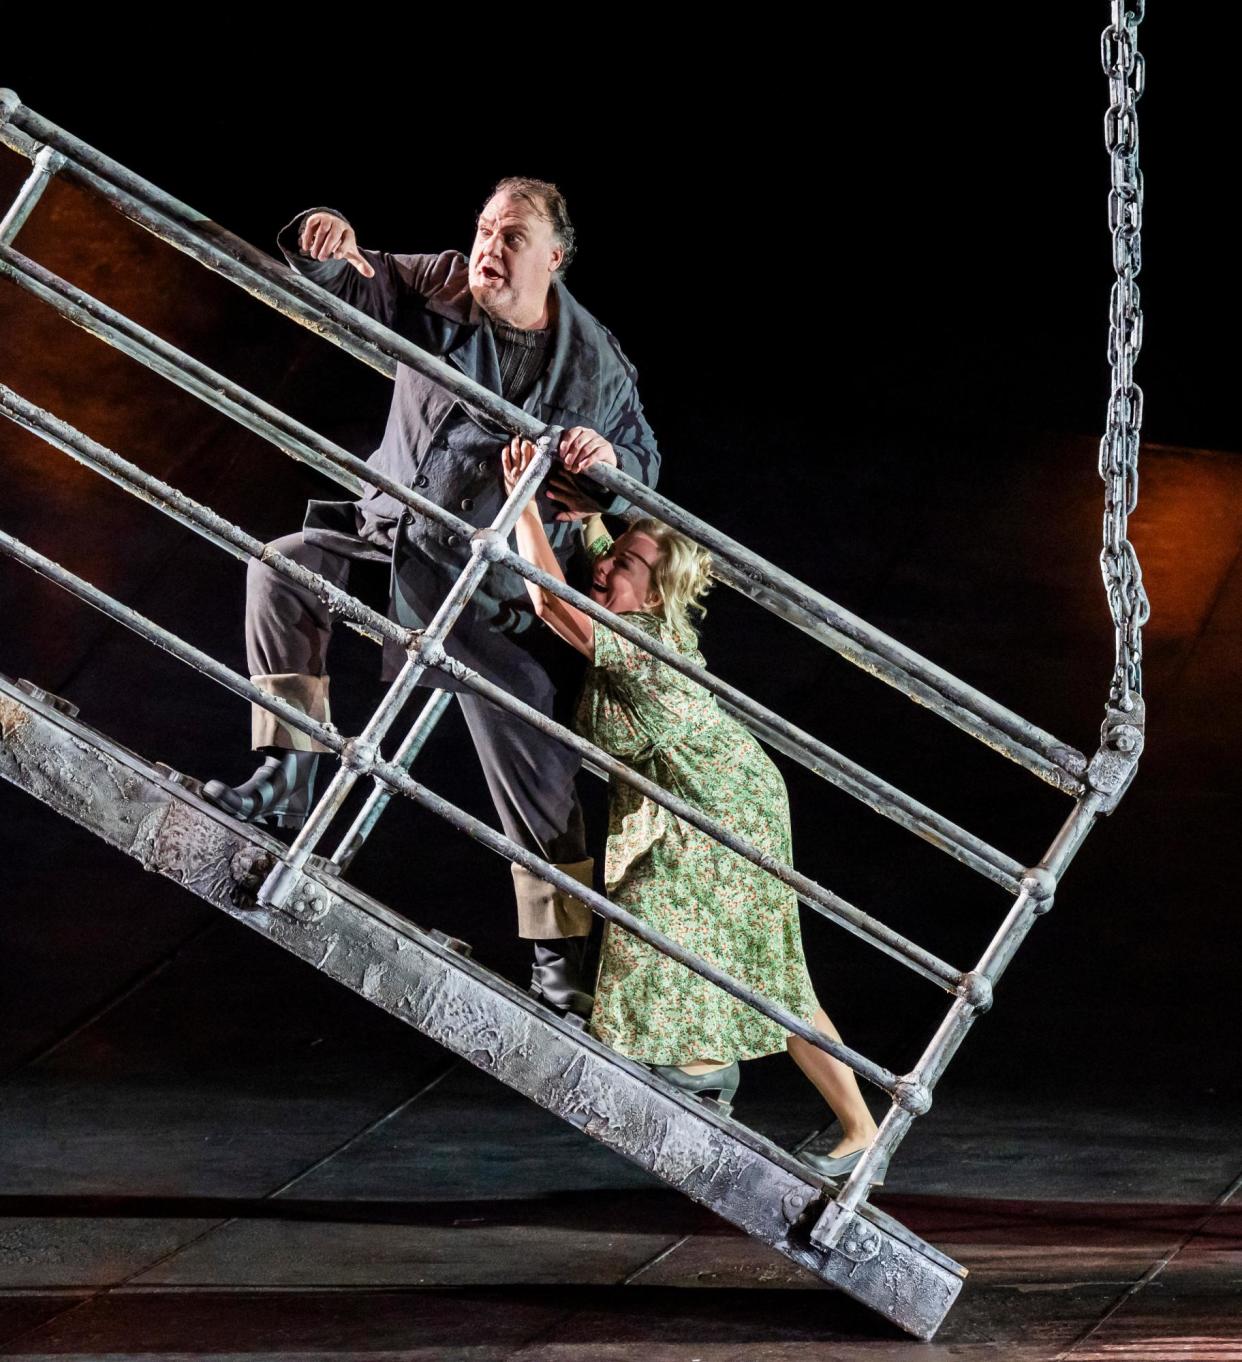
[1119, 448]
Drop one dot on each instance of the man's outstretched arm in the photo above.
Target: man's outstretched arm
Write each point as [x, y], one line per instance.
[321, 244]
[325, 235]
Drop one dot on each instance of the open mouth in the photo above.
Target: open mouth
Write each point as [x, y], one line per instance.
[489, 273]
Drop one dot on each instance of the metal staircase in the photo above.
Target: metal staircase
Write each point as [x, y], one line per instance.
[428, 981]
[300, 898]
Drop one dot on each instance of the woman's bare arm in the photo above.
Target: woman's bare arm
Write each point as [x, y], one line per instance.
[577, 629]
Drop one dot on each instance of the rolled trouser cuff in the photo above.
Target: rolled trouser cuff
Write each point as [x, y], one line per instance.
[546, 913]
[307, 693]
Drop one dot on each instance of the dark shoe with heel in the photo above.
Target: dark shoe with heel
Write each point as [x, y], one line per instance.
[839, 1168]
[721, 1082]
[279, 794]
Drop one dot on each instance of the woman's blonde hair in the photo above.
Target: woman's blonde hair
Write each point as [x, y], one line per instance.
[682, 576]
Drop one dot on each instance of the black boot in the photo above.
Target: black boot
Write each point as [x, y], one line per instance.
[278, 794]
[558, 977]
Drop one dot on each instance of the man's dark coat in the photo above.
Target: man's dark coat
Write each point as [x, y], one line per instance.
[437, 445]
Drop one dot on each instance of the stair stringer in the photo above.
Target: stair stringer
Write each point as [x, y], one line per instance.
[403, 969]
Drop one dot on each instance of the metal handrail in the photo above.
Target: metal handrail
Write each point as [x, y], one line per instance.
[862, 643]
[298, 298]
[353, 755]
[300, 442]
[361, 754]
[213, 527]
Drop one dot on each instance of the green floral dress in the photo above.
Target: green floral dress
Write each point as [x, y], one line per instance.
[676, 878]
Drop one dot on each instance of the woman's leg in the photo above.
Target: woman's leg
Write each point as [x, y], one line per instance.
[837, 1086]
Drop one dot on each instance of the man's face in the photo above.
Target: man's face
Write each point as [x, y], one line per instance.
[514, 257]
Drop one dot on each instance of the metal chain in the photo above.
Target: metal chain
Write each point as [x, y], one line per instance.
[1119, 449]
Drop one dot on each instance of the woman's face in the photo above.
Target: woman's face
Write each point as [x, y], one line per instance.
[623, 580]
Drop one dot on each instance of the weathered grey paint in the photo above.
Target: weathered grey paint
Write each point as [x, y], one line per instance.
[888, 1267]
[406, 971]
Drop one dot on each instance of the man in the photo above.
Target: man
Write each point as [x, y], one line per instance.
[505, 318]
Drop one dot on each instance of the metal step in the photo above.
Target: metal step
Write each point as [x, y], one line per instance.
[429, 981]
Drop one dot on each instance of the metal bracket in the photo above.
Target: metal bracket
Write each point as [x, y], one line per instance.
[45, 697]
[453, 943]
[308, 902]
[1113, 766]
[295, 893]
[846, 1233]
[795, 1202]
[190, 783]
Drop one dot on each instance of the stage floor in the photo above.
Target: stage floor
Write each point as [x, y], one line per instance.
[363, 1197]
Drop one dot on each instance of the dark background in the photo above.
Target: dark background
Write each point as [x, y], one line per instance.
[864, 274]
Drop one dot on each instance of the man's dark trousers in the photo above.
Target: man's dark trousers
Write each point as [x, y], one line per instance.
[530, 776]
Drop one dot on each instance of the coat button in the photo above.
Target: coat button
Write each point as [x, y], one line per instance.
[453, 540]
[422, 480]
[485, 466]
[467, 503]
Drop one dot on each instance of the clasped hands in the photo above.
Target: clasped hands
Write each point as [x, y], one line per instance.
[580, 447]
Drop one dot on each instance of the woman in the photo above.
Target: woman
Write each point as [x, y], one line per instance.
[666, 872]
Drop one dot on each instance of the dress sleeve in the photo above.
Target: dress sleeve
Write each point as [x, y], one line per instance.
[619, 709]
[625, 659]
[633, 705]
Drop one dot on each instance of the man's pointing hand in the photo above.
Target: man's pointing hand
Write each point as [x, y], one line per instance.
[327, 237]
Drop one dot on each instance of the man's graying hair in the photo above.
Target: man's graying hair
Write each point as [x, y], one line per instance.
[548, 201]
